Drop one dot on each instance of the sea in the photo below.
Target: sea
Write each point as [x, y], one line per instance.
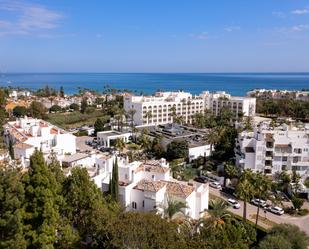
[148, 83]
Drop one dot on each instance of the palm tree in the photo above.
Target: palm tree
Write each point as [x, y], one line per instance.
[230, 171]
[148, 116]
[119, 144]
[218, 213]
[261, 186]
[173, 208]
[212, 138]
[131, 113]
[245, 190]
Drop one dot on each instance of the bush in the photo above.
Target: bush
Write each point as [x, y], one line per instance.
[20, 111]
[55, 108]
[297, 202]
[74, 107]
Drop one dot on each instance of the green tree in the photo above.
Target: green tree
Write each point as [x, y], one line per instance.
[83, 105]
[275, 242]
[61, 92]
[20, 111]
[119, 144]
[177, 149]
[297, 238]
[41, 206]
[11, 149]
[37, 110]
[297, 202]
[173, 207]
[145, 230]
[86, 208]
[99, 125]
[262, 186]
[55, 108]
[74, 107]
[218, 213]
[11, 210]
[114, 186]
[245, 189]
[156, 148]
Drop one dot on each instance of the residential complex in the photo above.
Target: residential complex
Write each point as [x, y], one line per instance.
[147, 186]
[272, 149]
[27, 134]
[279, 94]
[164, 107]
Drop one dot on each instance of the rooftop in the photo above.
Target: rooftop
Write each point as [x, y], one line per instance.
[74, 157]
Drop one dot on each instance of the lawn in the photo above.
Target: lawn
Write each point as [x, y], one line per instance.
[74, 119]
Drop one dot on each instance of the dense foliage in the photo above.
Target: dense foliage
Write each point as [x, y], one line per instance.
[41, 208]
[283, 107]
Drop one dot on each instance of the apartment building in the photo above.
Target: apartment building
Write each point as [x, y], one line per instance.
[28, 134]
[273, 149]
[238, 105]
[163, 107]
[147, 186]
[166, 107]
[279, 94]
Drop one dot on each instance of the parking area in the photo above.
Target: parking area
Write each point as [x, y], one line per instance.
[81, 143]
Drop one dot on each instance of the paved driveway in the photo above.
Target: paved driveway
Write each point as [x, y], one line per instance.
[301, 222]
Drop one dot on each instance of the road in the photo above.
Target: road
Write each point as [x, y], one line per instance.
[301, 222]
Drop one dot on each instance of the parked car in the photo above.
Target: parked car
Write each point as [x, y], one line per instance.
[235, 204]
[202, 179]
[277, 210]
[258, 202]
[267, 207]
[216, 185]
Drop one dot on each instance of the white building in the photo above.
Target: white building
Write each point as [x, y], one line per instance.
[160, 109]
[147, 186]
[107, 138]
[238, 105]
[28, 134]
[163, 106]
[279, 94]
[273, 149]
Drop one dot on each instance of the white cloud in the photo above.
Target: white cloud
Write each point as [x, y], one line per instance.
[278, 14]
[29, 19]
[232, 28]
[201, 36]
[300, 27]
[301, 11]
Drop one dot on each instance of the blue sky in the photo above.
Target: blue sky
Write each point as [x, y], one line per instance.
[154, 36]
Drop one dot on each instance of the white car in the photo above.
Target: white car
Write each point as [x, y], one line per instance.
[258, 202]
[216, 185]
[235, 204]
[277, 210]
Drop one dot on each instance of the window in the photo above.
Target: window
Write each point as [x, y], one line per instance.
[143, 203]
[153, 177]
[134, 205]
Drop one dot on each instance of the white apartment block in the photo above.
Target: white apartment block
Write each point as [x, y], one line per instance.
[163, 106]
[279, 94]
[147, 186]
[159, 109]
[238, 105]
[273, 149]
[28, 134]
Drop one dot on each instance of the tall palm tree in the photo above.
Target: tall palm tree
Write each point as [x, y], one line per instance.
[173, 208]
[131, 113]
[218, 213]
[261, 186]
[148, 116]
[245, 189]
